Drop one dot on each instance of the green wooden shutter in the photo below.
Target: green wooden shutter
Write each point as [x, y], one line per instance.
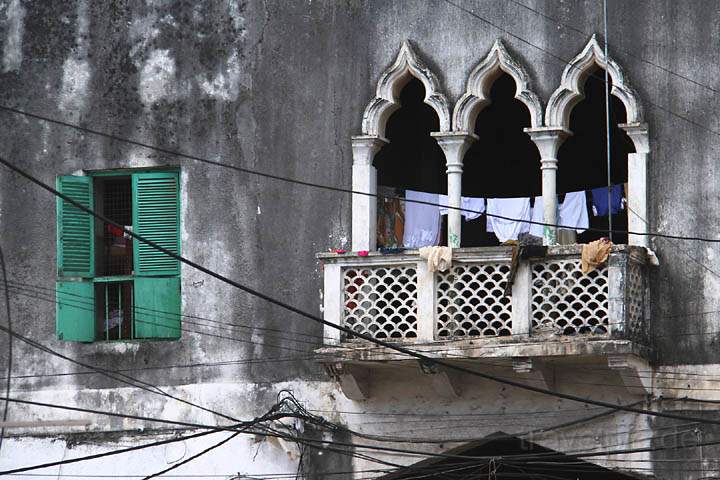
[156, 216]
[157, 307]
[75, 249]
[75, 311]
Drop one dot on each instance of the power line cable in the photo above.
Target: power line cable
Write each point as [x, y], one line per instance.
[616, 47]
[315, 318]
[121, 377]
[10, 345]
[566, 62]
[317, 356]
[179, 154]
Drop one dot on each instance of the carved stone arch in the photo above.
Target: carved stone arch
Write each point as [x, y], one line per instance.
[570, 91]
[477, 92]
[406, 65]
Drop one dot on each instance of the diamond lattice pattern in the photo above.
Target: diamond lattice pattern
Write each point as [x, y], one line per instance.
[381, 301]
[471, 301]
[567, 302]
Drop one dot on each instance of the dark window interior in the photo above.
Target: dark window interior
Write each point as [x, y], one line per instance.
[582, 158]
[113, 310]
[113, 252]
[503, 162]
[113, 257]
[412, 160]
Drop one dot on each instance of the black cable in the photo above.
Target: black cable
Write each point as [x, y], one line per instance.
[10, 345]
[317, 355]
[120, 377]
[339, 189]
[617, 47]
[315, 318]
[197, 455]
[564, 61]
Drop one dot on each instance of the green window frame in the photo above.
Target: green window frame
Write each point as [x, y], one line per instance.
[153, 288]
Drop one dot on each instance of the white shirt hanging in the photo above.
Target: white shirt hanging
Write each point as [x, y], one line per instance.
[517, 209]
[422, 222]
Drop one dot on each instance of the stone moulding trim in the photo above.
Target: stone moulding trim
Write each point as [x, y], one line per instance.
[406, 65]
[477, 93]
[570, 91]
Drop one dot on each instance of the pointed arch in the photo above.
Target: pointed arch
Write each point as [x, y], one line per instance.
[406, 65]
[477, 93]
[570, 91]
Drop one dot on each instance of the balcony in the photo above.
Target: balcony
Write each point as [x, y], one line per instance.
[552, 312]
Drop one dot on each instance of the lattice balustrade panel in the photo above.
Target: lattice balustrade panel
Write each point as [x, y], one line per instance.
[567, 302]
[381, 301]
[471, 301]
[635, 301]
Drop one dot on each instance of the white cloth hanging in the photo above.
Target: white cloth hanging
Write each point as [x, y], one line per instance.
[573, 212]
[537, 216]
[422, 221]
[516, 209]
[472, 207]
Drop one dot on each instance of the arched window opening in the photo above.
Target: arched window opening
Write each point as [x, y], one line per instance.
[503, 162]
[411, 164]
[582, 159]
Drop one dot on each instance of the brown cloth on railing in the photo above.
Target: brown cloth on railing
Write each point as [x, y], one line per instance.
[594, 254]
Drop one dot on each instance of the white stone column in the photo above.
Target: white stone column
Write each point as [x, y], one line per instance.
[426, 302]
[364, 179]
[454, 145]
[637, 184]
[548, 141]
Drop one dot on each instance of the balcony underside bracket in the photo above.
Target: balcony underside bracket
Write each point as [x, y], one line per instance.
[535, 372]
[635, 373]
[353, 380]
[443, 382]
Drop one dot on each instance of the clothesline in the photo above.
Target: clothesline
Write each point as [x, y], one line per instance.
[422, 221]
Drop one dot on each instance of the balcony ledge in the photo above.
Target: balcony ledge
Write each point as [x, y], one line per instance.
[363, 352]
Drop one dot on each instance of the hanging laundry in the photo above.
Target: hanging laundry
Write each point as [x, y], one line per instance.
[600, 200]
[390, 219]
[537, 216]
[439, 259]
[422, 221]
[115, 231]
[472, 207]
[517, 209]
[573, 213]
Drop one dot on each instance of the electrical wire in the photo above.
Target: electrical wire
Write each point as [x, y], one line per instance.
[320, 356]
[617, 47]
[179, 154]
[566, 62]
[121, 377]
[315, 318]
[8, 315]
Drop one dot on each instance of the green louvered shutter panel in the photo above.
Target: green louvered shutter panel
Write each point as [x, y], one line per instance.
[75, 251]
[75, 310]
[156, 217]
[157, 307]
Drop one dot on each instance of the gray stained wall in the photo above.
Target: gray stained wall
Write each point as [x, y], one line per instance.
[280, 87]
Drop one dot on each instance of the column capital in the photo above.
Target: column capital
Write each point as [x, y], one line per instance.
[548, 139]
[454, 144]
[365, 147]
[638, 133]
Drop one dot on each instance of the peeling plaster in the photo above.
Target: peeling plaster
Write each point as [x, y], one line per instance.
[76, 77]
[226, 84]
[12, 50]
[157, 78]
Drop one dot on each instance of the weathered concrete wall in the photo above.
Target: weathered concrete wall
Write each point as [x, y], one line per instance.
[280, 87]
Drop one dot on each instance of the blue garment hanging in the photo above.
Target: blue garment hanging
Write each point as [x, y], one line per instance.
[600, 200]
